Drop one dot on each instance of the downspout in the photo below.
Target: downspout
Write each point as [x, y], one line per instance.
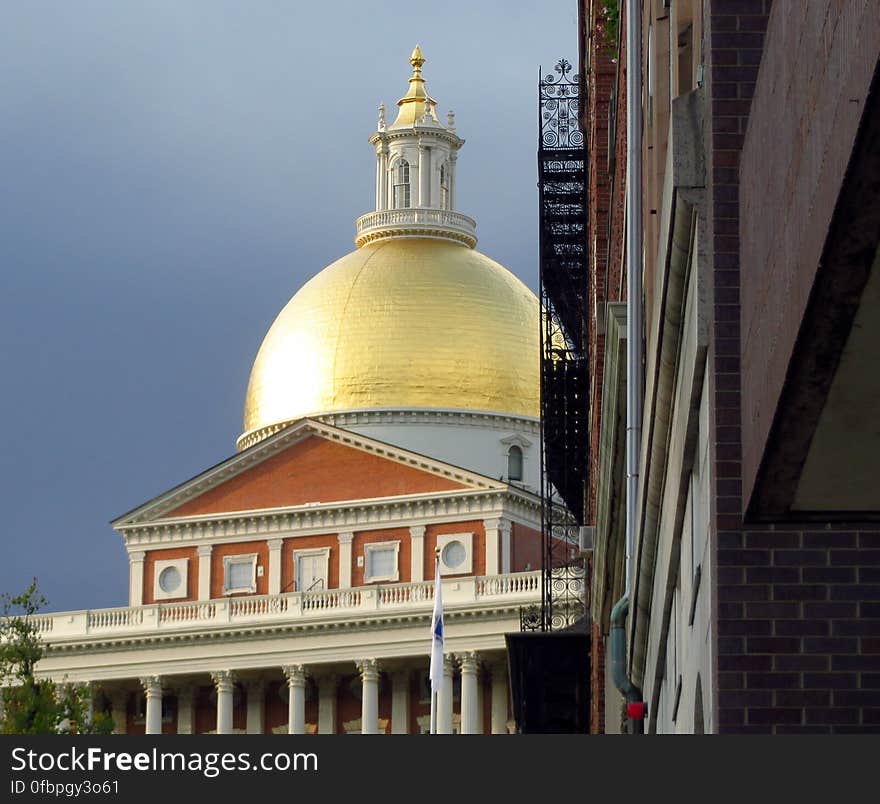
[620, 674]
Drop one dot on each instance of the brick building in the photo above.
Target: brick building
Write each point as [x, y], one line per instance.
[391, 416]
[754, 575]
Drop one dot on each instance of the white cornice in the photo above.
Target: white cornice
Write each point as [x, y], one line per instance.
[306, 520]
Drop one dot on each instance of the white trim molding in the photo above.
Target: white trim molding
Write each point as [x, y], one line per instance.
[321, 552]
[229, 562]
[164, 572]
[465, 564]
[374, 547]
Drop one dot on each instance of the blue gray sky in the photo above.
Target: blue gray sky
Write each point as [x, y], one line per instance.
[171, 173]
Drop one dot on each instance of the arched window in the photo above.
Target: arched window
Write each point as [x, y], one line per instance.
[401, 184]
[444, 186]
[515, 463]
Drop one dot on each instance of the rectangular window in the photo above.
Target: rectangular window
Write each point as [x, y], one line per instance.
[240, 574]
[380, 561]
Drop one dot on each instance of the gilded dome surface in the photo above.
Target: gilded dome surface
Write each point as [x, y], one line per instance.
[399, 323]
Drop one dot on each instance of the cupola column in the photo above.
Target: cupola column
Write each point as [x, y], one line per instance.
[451, 179]
[424, 175]
[153, 690]
[296, 698]
[369, 670]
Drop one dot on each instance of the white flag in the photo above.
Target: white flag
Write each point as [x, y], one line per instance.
[436, 672]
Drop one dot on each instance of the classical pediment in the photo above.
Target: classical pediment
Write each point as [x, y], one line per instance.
[308, 463]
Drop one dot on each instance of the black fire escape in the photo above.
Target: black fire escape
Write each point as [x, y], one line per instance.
[550, 666]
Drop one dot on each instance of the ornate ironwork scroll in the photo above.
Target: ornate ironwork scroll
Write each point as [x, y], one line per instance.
[562, 183]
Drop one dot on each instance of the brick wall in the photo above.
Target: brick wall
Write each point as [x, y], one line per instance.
[798, 607]
[606, 101]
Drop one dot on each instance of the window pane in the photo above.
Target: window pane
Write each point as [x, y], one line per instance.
[240, 575]
[382, 562]
[514, 463]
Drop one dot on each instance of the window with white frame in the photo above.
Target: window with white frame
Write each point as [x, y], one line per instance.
[169, 579]
[381, 561]
[239, 574]
[456, 553]
[515, 463]
[401, 185]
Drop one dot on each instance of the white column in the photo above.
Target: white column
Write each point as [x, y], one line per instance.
[185, 709]
[153, 689]
[424, 176]
[493, 565]
[451, 180]
[255, 689]
[327, 704]
[378, 180]
[296, 698]
[136, 578]
[383, 180]
[118, 711]
[444, 698]
[499, 698]
[400, 702]
[504, 529]
[345, 540]
[469, 695]
[274, 546]
[417, 553]
[224, 680]
[369, 670]
[204, 552]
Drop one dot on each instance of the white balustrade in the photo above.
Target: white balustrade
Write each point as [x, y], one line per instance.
[418, 595]
[440, 222]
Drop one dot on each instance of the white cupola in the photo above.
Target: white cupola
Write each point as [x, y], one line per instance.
[415, 171]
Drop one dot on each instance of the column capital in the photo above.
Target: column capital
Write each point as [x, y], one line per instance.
[224, 680]
[345, 538]
[295, 674]
[448, 665]
[417, 531]
[469, 661]
[274, 544]
[368, 668]
[152, 684]
[204, 550]
[136, 555]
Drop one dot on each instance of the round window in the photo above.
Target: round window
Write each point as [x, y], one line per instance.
[454, 554]
[169, 580]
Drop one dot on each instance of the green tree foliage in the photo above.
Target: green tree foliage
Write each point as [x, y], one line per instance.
[34, 705]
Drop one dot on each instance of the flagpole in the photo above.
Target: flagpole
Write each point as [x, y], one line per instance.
[438, 611]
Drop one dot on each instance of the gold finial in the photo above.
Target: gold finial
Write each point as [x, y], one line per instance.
[417, 60]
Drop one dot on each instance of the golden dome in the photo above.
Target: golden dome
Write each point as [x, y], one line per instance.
[399, 323]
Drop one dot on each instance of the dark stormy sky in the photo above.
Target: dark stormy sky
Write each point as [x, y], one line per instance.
[170, 173]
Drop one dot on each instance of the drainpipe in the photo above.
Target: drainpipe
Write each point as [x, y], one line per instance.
[620, 673]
